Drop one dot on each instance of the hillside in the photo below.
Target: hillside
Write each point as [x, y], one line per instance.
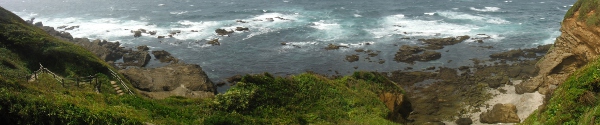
[362, 98]
[569, 72]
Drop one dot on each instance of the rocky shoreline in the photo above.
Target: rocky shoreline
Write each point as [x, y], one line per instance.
[174, 79]
[437, 96]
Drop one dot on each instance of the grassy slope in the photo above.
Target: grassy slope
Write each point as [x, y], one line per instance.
[575, 101]
[258, 99]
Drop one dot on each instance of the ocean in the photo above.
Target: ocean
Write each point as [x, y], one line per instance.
[306, 27]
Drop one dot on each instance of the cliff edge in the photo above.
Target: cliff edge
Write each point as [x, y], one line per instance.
[569, 72]
[577, 46]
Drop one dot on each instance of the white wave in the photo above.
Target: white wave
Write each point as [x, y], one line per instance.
[357, 15]
[486, 9]
[322, 25]
[178, 13]
[552, 38]
[430, 14]
[398, 24]
[481, 18]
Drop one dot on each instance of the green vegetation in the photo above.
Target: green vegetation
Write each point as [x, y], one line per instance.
[257, 99]
[306, 98]
[573, 102]
[586, 9]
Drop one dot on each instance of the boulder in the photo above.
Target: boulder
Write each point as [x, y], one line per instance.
[332, 47]
[71, 28]
[500, 113]
[398, 105]
[107, 51]
[352, 58]
[152, 33]
[161, 37]
[137, 33]
[136, 58]
[241, 29]
[164, 56]
[38, 24]
[430, 55]
[143, 48]
[439, 43]
[214, 42]
[171, 80]
[529, 86]
[222, 32]
[464, 121]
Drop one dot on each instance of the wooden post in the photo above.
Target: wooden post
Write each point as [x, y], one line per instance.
[77, 81]
[97, 85]
[34, 76]
[63, 82]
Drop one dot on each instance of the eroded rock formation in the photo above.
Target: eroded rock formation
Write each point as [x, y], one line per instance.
[575, 47]
[187, 80]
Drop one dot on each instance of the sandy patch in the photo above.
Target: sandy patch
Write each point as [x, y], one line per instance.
[526, 103]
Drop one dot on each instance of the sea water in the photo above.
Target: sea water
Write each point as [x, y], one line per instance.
[307, 27]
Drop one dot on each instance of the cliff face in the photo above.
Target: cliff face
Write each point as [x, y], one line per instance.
[578, 45]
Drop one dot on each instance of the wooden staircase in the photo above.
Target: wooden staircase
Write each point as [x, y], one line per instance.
[117, 88]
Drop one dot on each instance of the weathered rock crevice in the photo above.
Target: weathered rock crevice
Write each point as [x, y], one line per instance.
[574, 48]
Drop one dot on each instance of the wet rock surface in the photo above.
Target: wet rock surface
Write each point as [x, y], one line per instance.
[501, 113]
[439, 43]
[410, 54]
[164, 56]
[352, 58]
[334, 47]
[136, 58]
[171, 80]
[222, 32]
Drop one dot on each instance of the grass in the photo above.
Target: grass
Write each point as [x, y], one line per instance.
[573, 102]
[306, 98]
[257, 99]
[586, 9]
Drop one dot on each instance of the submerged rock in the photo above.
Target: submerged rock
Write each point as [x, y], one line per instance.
[501, 113]
[222, 32]
[409, 54]
[137, 33]
[332, 47]
[143, 48]
[439, 43]
[214, 42]
[352, 58]
[241, 29]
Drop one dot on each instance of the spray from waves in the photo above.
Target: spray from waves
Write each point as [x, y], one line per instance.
[398, 24]
[486, 9]
[478, 18]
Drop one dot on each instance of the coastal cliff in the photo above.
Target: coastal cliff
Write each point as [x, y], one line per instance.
[574, 48]
[568, 74]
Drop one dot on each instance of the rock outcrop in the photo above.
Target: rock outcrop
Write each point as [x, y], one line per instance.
[107, 51]
[136, 58]
[574, 48]
[164, 56]
[501, 113]
[398, 104]
[188, 80]
[410, 54]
